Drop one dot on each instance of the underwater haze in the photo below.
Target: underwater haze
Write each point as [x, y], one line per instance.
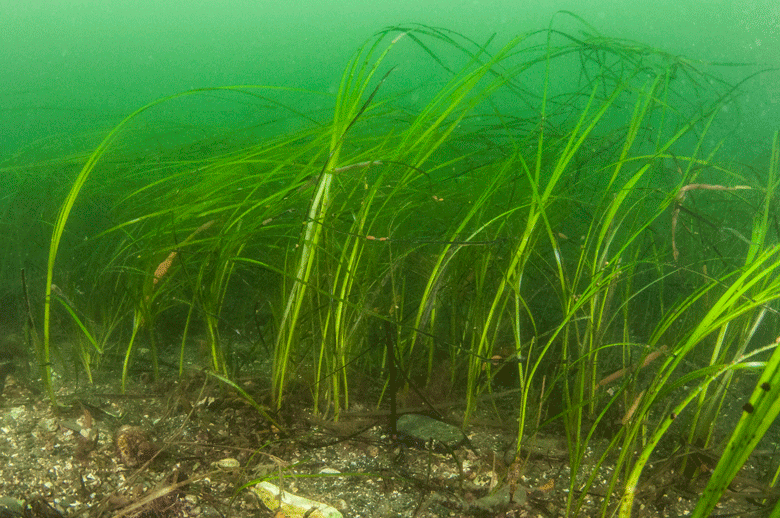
[558, 215]
[77, 66]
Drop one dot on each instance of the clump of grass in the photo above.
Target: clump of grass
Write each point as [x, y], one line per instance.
[516, 215]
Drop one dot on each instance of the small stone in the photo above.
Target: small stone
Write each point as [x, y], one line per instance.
[12, 505]
[13, 415]
[421, 430]
[501, 498]
[48, 424]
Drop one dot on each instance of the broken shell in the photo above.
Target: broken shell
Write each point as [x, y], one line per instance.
[227, 464]
[133, 445]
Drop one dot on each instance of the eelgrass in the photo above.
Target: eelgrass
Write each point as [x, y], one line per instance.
[516, 216]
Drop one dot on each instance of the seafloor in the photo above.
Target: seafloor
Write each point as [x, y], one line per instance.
[194, 443]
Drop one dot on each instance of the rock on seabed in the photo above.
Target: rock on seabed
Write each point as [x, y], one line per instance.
[293, 506]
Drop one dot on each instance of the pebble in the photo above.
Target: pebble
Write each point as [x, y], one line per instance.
[424, 429]
[48, 424]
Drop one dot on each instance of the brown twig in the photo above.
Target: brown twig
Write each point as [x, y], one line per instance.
[620, 373]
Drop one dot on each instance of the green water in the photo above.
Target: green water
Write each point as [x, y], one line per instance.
[588, 198]
[77, 67]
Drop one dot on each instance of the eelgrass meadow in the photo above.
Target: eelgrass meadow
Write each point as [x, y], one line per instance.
[554, 210]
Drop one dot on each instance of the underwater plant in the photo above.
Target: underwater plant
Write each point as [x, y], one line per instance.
[536, 214]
